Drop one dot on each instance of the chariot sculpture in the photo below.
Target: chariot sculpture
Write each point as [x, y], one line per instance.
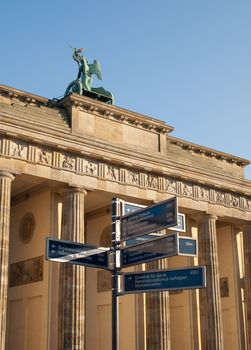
[83, 84]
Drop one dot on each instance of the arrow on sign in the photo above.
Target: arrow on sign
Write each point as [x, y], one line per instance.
[77, 253]
[81, 254]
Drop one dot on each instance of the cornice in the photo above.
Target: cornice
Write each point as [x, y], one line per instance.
[115, 113]
[22, 96]
[209, 152]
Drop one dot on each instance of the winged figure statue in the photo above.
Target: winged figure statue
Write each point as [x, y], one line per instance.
[83, 83]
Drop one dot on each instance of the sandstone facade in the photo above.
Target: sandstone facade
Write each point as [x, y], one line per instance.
[62, 162]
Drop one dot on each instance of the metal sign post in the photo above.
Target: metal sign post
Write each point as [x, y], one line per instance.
[115, 271]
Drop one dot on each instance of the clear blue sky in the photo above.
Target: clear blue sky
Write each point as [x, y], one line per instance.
[187, 62]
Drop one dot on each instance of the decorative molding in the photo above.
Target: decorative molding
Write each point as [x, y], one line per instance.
[115, 113]
[84, 165]
[209, 152]
[22, 97]
[26, 271]
[27, 228]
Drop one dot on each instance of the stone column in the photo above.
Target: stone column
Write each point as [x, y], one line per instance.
[210, 299]
[157, 315]
[247, 281]
[72, 278]
[5, 194]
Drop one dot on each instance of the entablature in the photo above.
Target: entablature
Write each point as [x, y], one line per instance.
[44, 161]
[120, 162]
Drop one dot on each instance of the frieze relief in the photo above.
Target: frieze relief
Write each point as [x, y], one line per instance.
[203, 193]
[85, 165]
[68, 162]
[91, 167]
[170, 185]
[220, 197]
[132, 177]
[111, 172]
[151, 181]
[18, 150]
[187, 190]
[234, 201]
[44, 156]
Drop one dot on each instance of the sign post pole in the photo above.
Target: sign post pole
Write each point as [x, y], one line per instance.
[115, 272]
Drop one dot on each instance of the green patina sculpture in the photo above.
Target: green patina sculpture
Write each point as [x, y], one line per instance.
[83, 84]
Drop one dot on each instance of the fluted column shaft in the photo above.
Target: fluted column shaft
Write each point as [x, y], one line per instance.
[5, 194]
[210, 300]
[157, 315]
[72, 277]
[247, 262]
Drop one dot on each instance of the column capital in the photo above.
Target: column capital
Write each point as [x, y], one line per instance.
[210, 216]
[205, 216]
[73, 189]
[7, 174]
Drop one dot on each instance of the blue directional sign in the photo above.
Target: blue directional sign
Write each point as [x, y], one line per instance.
[187, 246]
[151, 250]
[158, 248]
[77, 253]
[129, 208]
[164, 280]
[151, 219]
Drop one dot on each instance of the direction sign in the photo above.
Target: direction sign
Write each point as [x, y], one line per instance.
[159, 248]
[129, 208]
[152, 250]
[154, 218]
[77, 253]
[163, 280]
